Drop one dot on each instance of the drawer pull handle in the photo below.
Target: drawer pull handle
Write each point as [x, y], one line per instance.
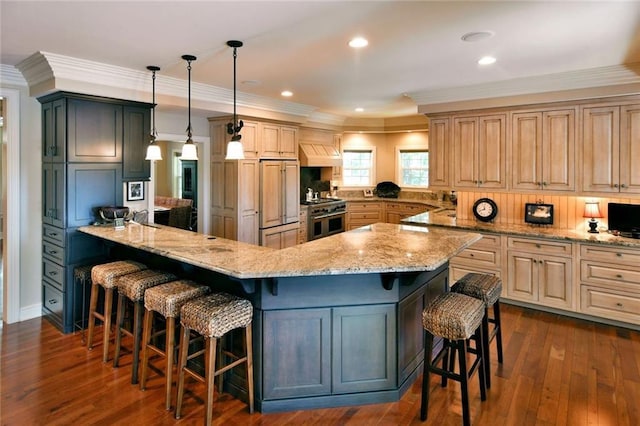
[53, 273]
[471, 254]
[618, 275]
[619, 305]
[54, 234]
[619, 254]
[53, 252]
[52, 301]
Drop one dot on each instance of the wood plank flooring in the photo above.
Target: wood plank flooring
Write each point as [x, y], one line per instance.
[556, 371]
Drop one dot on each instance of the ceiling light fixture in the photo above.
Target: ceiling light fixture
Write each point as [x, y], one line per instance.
[359, 109]
[358, 42]
[234, 147]
[189, 150]
[153, 150]
[287, 93]
[486, 60]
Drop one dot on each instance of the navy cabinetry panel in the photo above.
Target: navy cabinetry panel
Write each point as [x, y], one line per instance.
[91, 186]
[53, 194]
[94, 132]
[54, 131]
[137, 123]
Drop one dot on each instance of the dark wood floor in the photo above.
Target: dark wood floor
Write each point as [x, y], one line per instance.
[557, 371]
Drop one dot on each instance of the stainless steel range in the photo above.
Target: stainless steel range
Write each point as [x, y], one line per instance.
[326, 217]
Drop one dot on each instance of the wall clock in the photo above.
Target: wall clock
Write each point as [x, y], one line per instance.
[485, 209]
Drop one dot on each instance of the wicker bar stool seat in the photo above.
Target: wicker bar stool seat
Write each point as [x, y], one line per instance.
[165, 300]
[455, 318]
[133, 287]
[486, 288]
[105, 275]
[212, 317]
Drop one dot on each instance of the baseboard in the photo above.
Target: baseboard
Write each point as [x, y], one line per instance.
[30, 312]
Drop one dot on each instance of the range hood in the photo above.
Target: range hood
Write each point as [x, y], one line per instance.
[319, 155]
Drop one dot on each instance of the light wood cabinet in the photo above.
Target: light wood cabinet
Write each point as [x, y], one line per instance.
[479, 156]
[364, 213]
[611, 149]
[484, 256]
[220, 138]
[280, 237]
[610, 282]
[278, 141]
[538, 271]
[395, 212]
[279, 192]
[543, 150]
[235, 199]
[336, 171]
[439, 158]
[303, 229]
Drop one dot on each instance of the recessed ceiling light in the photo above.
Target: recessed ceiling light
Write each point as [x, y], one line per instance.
[476, 36]
[359, 109]
[358, 42]
[487, 60]
[286, 93]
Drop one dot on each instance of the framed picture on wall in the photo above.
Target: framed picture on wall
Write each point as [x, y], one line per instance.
[539, 214]
[135, 191]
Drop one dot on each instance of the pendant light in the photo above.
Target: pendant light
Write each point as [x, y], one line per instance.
[153, 150]
[189, 151]
[234, 147]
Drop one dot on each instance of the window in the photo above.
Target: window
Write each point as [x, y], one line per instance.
[413, 167]
[357, 168]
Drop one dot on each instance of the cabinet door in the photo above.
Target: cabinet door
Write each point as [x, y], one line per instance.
[439, 152]
[526, 149]
[249, 139]
[94, 132]
[630, 150]
[288, 142]
[522, 276]
[558, 153]
[364, 348]
[491, 156]
[601, 149]
[291, 188]
[336, 172]
[136, 131]
[53, 194]
[271, 194]
[555, 281]
[465, 146]
[90, 186]
[54, 128]
[270, 141]
[249, 197]
[297, 353]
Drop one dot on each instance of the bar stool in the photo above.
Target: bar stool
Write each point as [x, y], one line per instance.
[455, 318]
[212, 317]
[132, 287]
[166, 300]
[486, 288]
[82, 277]
[104, 276]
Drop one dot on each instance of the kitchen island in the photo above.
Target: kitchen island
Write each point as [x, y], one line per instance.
[337, 321]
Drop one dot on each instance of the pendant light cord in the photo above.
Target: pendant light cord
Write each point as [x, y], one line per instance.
[153, 110]
[235, 117]
[189, 108]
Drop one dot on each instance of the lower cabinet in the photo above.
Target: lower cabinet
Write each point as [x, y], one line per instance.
[280, 237]
[364, 213]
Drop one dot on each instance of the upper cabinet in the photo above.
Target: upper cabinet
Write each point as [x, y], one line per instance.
[611, 149]
[54, 127]
[220, 138]
[543, 150]
[439, 152]
[136, 125]
[479, 155]
[279, 142]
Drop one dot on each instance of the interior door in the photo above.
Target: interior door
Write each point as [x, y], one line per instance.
[190, 181]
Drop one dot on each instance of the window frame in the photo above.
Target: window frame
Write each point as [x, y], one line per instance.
[372, 169]
[399, 168]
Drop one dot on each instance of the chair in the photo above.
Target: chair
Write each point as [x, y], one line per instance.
[105, 275]
[454, 317]
[212, 317]
[133, 287]
[166, 300]
[180, 217]
[486, 288]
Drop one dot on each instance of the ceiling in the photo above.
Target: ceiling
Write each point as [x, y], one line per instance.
[415, 47]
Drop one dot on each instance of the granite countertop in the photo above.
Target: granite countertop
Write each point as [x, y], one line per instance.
[377, 248]
[442, 218]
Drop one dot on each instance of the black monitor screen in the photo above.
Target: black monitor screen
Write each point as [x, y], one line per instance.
[624, 217]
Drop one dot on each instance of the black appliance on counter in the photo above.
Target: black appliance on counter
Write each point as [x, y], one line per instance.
[326, 217]
[624, 219]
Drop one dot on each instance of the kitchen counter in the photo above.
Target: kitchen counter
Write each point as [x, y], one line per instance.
[443, 218]
[378, 248]
[337, 321]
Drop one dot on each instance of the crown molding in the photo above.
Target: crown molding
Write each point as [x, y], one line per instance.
[10, 75]
[47, 72]
[626, 77]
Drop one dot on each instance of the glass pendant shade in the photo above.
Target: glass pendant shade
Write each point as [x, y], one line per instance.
[189, 151]
[153, 152]
[234, 151]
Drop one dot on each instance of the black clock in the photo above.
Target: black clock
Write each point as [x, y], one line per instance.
[485, 209]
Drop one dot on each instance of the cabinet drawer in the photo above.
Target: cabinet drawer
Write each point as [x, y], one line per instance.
[617, 305]
[53, 272]
[610, 254]
[353, 207]
[54, 251]
[607, 274]
[54, 234]
[481, 257]
[539, 246]
[52, 303]
[489, 241]
[365, 215]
